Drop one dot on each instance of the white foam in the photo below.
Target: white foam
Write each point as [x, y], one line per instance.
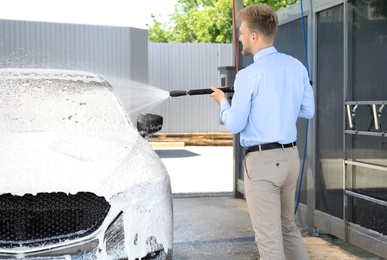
[66, 138]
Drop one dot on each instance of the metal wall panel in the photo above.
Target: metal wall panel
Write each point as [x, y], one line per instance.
[184, 66]
[117, 53]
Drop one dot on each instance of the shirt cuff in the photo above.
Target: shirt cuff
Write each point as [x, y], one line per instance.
[224, 103]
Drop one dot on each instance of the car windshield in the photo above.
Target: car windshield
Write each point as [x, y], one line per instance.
[74, 102]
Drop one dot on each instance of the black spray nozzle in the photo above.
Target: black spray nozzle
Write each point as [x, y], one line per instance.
[192, 92]
[177, 93]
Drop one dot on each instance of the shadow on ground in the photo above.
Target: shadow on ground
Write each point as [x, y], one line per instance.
[175, 153]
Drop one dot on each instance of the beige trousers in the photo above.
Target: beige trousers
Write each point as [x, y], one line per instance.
[270, 185]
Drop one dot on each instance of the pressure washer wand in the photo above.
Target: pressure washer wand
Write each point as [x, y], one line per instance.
[177, 93]
[192, 92]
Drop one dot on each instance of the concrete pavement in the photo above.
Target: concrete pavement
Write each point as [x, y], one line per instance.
[218, 228]
[198, 169]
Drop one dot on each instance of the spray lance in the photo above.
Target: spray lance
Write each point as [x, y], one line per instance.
[192, 92]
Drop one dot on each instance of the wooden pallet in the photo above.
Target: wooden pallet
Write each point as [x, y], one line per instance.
[195, 139]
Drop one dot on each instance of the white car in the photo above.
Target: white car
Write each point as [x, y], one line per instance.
[78, 180]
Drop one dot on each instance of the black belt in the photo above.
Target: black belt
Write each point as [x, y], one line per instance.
[268, 146]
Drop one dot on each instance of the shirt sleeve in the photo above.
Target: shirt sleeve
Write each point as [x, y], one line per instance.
[307, 105]
[235, 117]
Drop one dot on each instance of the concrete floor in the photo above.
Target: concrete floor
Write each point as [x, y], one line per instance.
[212, 228]
[210, 223]
[218, 228]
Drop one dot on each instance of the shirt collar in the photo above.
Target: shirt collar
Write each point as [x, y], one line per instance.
[263, 52]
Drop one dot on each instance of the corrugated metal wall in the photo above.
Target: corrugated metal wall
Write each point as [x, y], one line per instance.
[184, 66]
[117, 53]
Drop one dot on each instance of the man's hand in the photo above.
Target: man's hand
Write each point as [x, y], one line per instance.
[217, 94]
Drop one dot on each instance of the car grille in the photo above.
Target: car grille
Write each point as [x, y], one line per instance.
[47, 218]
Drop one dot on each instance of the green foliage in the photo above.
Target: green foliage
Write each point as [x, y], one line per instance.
[380, 7]
[207, 21]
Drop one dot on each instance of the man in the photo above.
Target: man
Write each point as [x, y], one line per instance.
[269, 96]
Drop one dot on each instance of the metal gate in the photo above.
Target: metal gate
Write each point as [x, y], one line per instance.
[365, 201]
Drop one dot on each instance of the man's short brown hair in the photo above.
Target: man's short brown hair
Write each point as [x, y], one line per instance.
[260, 18]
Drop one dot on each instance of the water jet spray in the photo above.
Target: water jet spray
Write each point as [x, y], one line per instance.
[193, 92]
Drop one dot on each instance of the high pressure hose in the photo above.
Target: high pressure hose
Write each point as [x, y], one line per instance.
[236, 47]
[307, 120]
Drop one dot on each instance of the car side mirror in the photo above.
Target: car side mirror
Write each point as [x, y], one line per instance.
[148, 124]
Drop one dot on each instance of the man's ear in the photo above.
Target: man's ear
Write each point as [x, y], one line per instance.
[254, 36]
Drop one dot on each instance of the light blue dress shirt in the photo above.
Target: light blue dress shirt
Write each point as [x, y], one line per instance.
[269, 96]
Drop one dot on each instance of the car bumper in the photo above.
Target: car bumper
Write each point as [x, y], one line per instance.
[136, 226]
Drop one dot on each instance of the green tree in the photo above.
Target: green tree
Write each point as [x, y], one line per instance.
[380, 7]
[208, 21]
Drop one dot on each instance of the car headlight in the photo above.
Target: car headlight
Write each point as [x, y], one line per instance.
[144, 224]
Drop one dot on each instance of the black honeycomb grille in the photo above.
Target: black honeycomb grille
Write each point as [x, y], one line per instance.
[47, 218]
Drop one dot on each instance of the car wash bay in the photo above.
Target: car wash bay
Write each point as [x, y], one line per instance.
[209, 223]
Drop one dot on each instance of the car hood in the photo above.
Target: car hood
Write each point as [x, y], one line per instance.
[33, 162]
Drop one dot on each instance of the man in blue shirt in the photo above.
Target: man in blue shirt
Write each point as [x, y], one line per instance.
[269, 96]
